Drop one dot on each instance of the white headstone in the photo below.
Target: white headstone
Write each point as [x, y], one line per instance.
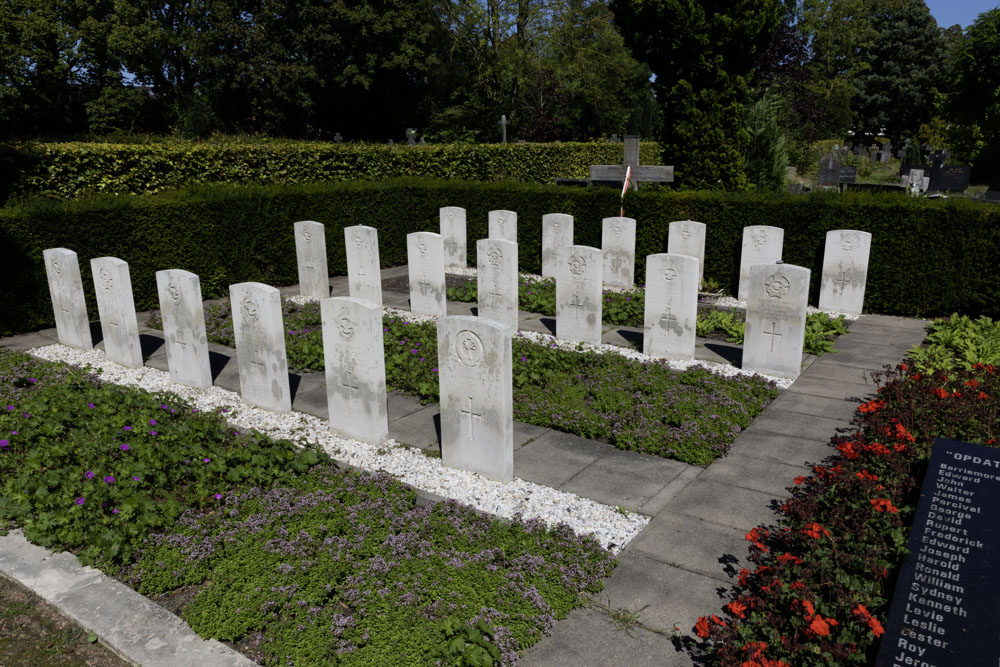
[845, 271]
[761, 245]
[477, 403]
[687, 237]
[425, 259]
[117, 309]
[364, 277]
[503, 225]
[671, 309]
[497, 281]
[557, 231]
[776, 319]
[310, 251]
[618, 246]
[260, 346]
[453, 232]
[184, 327]
[579, 299]
[68, 303]
[355, 368]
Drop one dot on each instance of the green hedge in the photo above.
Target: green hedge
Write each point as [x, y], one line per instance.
[928, 257]
[69, 170]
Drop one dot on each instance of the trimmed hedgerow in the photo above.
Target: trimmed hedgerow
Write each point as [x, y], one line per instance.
[925, 256]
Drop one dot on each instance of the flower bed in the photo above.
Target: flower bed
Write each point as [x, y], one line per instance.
[282, 553]
[636, 405]
[820, 591]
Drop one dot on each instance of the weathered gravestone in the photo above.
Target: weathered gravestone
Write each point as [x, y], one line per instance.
[614, 174]
[687, 237]
[411, 136]
[260, 346]
[503, 225]
[364, 277]
[950, 178]
[761, 245]
[425, 260]
[68, 304]
[618, 246]
[942, 611]
[671, 307]
[845, 271]
[579, 298]
[776, 319]
[477, 402]
[557, 231]
[503, 123]
[117, 309]
[184, 327]
[497, 281]
[915, 180]
[829, 170]
[355, 368]
[310, 252]
[453, 232]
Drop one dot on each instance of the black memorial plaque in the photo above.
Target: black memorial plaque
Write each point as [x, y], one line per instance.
[848, 174]
[943, 611]
[950, 177]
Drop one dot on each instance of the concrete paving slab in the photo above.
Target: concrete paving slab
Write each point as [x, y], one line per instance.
[24, 342]
[132, 626]
[419, 429]
[826, 370]
[689, 543]
[783, 422]
[879, 337]
[655, 505]
[554, 458]
[401, 405]
[820, 406]
[589, 637]
[878, 352]
[894, 321]
[311, 400]
[770, 477]
[626, 479]
[543, 325]
[814, 386]
[777, 448]
[861, 360]
[727, 505]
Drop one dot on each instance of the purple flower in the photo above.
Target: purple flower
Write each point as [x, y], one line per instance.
[10, 407]
[291, 332]
[110, 479]
[434, 370]
[4, 443]
[206, 460]
[126, 428]
[124, 448]
[152, 422]
[13, 432]
[135, 479]
[164, 406]
[89, 474]
[114, 510]
[152, 432]
[218, 496]
[80, 501]
[524, 358]
[32, 380]
[421, 358]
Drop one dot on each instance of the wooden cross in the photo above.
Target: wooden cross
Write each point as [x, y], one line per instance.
[772, 334]
[503, 123]
[577, 305]
[471, 415]
[643, 173]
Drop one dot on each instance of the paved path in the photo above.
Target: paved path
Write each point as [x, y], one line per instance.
[681, 565]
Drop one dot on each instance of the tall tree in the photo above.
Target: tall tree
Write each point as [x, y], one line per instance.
[703, 56]
[895, 93]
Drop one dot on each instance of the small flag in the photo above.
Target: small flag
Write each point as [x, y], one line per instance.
[628, 177]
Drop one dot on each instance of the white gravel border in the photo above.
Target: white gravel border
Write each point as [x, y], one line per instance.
[612, 527]
[736, 304]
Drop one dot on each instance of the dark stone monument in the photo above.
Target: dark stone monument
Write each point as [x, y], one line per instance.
[614, 174]
[794, 188]
[337, 138]
[848, 175]
[829, 170]
[411, 136]
[942, 611]
[950, 177]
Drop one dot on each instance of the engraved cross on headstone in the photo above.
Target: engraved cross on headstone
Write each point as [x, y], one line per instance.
[424, 284]
[349, 378]
[668, 317]
[616, 263]
[451, 245]
[640, 173]
[472, 414]
[773, 334]
[496, 295]
[577, 306]
[842, 280]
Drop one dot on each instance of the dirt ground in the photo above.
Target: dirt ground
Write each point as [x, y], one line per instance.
[33, 634]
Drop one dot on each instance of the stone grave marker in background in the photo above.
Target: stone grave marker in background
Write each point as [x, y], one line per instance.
[557, 231]
[364, 277]
[355, 368]
[476, 388]
[618, 248]
[950, 177]
[776, 319]
[425, 260]
[503, 225]
[310, 251]
[411, 136]
[117, 309]
[845, 271]
[848, 175]
[687, 237]
[761, 245]
[68, 303]
[497, 281]
[579, 298]
[260, 346]
[829, 170]
[184, 327]
[453, 232]
[671, 306]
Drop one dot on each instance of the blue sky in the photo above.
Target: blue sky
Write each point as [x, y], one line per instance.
[963, 12]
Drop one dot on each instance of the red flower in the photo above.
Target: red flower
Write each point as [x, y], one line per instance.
[737, 608]
[815, 531]
[941, 393]
[873, 623]
[820, 627]
[903, 367]
[701, 627]
[799, 480]
[848, 449]
[754, 649]
[873, 405]
[971, 383]
[982, 395]
[883, 505]
[864, 474]
[789, 558]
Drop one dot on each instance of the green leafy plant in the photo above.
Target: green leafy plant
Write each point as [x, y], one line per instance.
[958, 342]
[467, 645]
